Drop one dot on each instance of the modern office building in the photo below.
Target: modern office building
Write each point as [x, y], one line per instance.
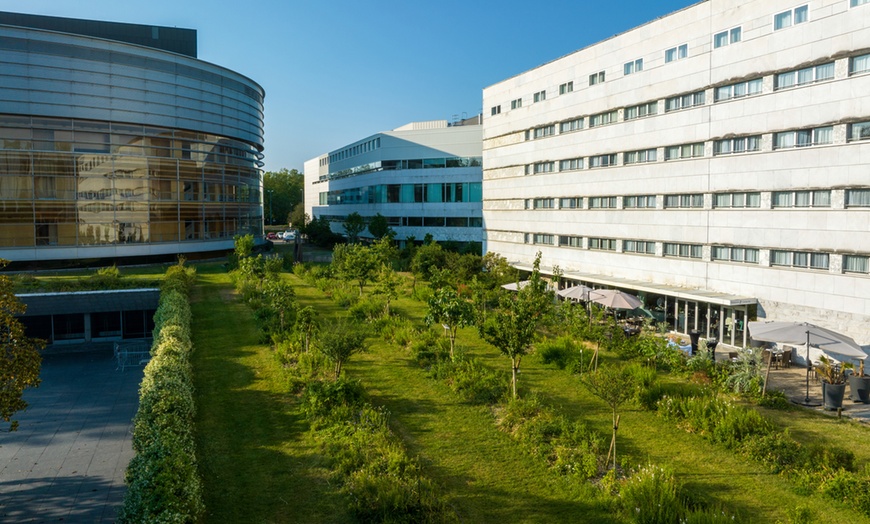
[424, 177]
[715, 161]
[116, 141]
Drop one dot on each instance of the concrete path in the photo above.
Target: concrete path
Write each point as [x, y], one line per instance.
[67, 460]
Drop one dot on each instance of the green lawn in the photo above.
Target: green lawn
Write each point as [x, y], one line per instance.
[260, 464]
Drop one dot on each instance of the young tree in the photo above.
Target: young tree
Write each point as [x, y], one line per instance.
[340, 342]
[354, 224]
[299, 218]
[282, 300]
[356, 262]
[379, 228]
[306, 323]
[614, 385]
[387, 285]
[446, 307]
[19, 355]
[513, 326]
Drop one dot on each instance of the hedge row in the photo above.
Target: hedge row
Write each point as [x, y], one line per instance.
[162, 480]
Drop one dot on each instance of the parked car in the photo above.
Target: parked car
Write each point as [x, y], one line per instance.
[272, 236]
[289, 235]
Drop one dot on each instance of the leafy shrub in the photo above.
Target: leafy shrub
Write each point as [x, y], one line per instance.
[775, 450]
[650, 496]
[470, 380]
[367, 309]
[774, 400]
[430, 347]
[320, 398]
[561, 352]
[716, 419]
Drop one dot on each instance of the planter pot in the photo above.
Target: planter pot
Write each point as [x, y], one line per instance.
[833, 394]
[859, 387]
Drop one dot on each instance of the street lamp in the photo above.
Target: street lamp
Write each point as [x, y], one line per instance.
[271, 221]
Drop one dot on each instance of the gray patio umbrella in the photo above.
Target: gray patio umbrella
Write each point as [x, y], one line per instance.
[614, 298]
[830, 342]
[575, 293]
[516, 286]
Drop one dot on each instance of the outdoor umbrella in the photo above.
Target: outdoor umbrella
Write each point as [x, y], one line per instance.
[575, 293]
[830, 342]
[516, 286]
[614, 298]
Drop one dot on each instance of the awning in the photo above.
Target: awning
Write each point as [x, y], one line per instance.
[697, 295]
[90, 301]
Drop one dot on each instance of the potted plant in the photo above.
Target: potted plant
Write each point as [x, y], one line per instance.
[833, 382]
[859, 386]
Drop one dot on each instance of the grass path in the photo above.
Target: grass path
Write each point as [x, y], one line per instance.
[256, 458]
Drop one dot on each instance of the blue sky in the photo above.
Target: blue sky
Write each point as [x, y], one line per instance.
[335, 72]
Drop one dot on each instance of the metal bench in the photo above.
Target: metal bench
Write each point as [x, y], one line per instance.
[134, 353]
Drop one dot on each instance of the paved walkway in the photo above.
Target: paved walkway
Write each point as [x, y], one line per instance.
[67, 460]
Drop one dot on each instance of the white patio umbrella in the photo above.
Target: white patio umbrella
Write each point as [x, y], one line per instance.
[575, 293]
[516, 286]
[614, 298]
[830, 342]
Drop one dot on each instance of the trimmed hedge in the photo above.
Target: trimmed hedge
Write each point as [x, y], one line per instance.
[162, 480]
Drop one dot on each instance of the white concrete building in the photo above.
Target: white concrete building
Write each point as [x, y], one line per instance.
[424, 177]
[714, 160]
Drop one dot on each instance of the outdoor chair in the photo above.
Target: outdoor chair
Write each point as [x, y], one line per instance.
[733, 356]
[785, 358]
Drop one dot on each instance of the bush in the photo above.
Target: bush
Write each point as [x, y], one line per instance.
[473, 382]
[562, 352]
[650, 497]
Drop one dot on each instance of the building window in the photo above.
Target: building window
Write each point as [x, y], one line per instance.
[571, 125]
[635, 66]
[743, 255]
[516, 104]
[542, 238]
[856, 264]
[803, 137]
[571, 164]
[641, 247]
[684, 151]
[799, 259]
[545, 131]
[603, 118]
[571, 203]
[602, 202]
[602, 161]
[858, 198]
[856, 3]
[639, 202]
[684, 201]
[859, 131]
[738, 90]
[682, 250]
[638, 157]
[539, 96]
[570, 241]
[540, 167]
[566, 88]
[602, 244]
[495, 110]
[677, 53]
[596, 78]
[640, 111]
[741, 144]
[791, 17]
[726, 37]
[818, 198]
[859, 64]
[805, 76]
[676, 103]
[739, 200]
[543, 203]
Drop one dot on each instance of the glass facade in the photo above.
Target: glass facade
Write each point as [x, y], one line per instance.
[72, 182]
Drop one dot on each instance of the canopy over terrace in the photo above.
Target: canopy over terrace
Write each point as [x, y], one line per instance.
[715, 315]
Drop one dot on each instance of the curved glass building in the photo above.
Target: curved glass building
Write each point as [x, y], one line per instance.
[116, 141]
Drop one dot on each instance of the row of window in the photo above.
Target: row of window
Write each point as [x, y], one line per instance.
[414, 163]
[820, 198]
[737, 254]
[743, 144]
[404, 194]
[421, 221]
[358, 149]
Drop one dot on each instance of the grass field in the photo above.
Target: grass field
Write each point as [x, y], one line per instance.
[260, 463]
